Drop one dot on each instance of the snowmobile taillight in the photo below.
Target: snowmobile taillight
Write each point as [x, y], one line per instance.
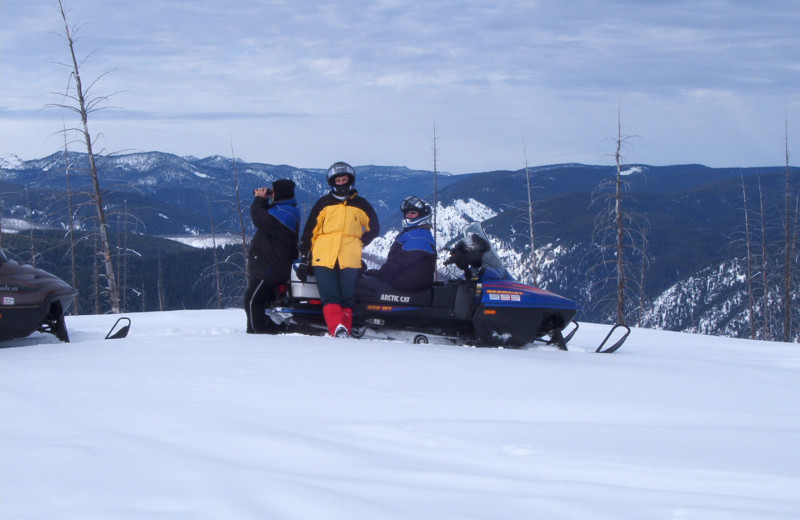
[315, 302]
[490, 311]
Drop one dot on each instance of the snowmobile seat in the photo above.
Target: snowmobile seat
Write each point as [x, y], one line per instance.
[371, 289]
[444, 294]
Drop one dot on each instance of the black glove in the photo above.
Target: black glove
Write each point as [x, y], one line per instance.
[302, 269]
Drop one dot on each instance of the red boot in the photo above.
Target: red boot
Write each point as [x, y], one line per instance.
[333, 316]
[347, 319]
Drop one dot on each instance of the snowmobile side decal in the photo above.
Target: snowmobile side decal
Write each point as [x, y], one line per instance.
[502, 293]
[395, 298]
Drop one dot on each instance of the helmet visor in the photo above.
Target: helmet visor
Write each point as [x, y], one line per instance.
[341, 168]
[412, 203]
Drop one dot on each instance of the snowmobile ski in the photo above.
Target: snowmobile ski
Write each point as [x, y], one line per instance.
[558, 339]
[122, 331]
[618, 343]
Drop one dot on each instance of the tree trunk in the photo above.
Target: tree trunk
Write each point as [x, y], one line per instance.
[71, 227]
[97, 198]
[765, 278]
[620, 227]
[217, 278]
[749, 267]
[240, 212]
[531, 230]
[788, 249]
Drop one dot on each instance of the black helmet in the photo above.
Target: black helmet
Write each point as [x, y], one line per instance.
[337, 170]
[412, 203]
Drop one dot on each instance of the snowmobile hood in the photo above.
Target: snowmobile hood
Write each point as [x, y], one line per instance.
[22, 284]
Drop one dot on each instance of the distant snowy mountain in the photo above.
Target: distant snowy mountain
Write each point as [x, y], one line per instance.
[10, 162]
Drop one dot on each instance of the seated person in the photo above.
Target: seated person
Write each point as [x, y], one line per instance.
[411, 263]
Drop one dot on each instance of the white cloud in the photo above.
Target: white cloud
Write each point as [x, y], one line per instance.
[338, 68]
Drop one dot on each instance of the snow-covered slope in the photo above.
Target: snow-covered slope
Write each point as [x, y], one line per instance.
[189, 417]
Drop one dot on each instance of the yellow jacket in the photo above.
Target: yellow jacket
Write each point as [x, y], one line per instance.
[337, 230]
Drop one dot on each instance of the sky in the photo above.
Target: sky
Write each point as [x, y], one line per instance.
[476, 85]
[189, 417]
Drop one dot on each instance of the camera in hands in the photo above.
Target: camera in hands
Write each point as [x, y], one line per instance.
[269, 191]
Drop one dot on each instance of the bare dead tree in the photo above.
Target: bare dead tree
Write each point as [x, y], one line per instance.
[531, 229]
[215, 267]
[795, 290]
[83, 106]
[620, 227]
[617, 233]
[124, 260]
[764, 262]
[788, 242]
[643, 265]
[525, 224]
[749, 265]
[29, 219]
[71, 225]
[160, 284]
[96, 277]
[240, 211]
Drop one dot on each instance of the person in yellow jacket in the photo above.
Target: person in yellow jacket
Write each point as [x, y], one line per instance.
[341, 223]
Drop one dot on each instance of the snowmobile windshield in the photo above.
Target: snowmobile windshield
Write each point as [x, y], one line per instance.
[476, 240]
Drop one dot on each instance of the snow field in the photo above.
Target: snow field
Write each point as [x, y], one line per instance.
[189, 417]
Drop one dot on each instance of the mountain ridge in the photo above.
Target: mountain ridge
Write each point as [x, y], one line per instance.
[694, 211]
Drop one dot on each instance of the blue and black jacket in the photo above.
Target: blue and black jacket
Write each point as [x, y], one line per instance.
[412, 260]
[274, 246]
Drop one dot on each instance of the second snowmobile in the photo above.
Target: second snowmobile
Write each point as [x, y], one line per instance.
[32, 300]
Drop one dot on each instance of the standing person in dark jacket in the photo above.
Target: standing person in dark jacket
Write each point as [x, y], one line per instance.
[272, 251]
[411, 263]
[341, 223]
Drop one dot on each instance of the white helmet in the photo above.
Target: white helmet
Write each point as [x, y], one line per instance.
[412, 203]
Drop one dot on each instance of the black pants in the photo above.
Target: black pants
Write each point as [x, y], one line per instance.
[336, 285]
[257, 299]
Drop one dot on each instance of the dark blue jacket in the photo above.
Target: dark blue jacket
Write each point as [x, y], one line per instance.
[274, 246]
[412, 260]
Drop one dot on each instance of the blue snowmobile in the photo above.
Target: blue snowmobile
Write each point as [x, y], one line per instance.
[486, 307]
